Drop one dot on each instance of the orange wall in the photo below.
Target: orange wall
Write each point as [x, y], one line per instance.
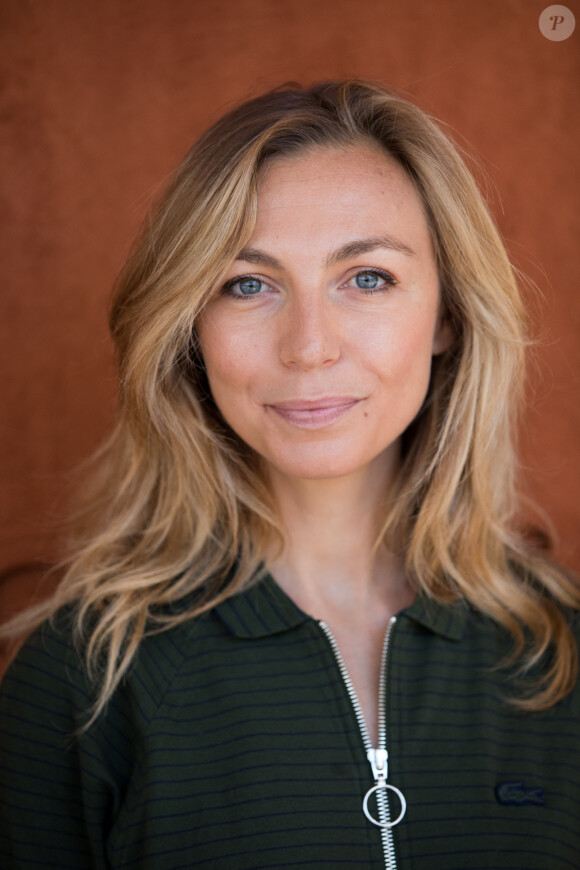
[101, 99]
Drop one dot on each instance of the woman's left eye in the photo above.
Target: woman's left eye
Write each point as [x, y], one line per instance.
[372, 280]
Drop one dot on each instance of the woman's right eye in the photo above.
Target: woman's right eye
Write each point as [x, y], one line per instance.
[243, 287]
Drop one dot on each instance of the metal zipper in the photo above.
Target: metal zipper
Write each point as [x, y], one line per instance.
[378, 758]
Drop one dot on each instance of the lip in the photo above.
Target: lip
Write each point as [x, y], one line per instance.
[312, 413]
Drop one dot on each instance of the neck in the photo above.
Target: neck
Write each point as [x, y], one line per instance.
[331, 526]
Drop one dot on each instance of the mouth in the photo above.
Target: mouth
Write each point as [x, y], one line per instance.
[312, 413]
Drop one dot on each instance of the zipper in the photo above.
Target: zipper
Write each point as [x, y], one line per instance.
[378, 758]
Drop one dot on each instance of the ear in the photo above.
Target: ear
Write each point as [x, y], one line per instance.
[444, 335]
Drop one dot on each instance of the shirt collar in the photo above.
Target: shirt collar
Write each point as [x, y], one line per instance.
[264, 609]
[447, 620]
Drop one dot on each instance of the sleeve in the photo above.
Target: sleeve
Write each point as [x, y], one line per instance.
[57, 790]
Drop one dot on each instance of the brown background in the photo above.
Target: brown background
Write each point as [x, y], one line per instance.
[101, 98]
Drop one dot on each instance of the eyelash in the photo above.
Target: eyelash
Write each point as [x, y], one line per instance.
[386, 276]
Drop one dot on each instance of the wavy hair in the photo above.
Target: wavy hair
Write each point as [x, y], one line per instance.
[179, 518]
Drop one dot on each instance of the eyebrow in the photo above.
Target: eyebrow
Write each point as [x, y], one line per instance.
[345, 252]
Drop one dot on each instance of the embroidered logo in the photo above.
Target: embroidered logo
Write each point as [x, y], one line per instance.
[517, 794]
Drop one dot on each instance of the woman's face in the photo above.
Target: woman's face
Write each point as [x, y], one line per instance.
[318, 347]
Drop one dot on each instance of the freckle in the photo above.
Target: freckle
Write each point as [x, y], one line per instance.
[366, 413]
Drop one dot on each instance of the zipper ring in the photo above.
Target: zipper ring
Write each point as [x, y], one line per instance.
[399, 794]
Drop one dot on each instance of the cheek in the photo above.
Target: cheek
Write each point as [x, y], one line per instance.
[227, 381]
[222, 365]
[402, 353]
[233, 353]
[233, 364]
[223, 353]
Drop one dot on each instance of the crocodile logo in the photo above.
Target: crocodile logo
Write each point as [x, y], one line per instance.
[518, 794]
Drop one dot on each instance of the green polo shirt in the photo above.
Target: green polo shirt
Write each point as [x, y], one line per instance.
[233, 744]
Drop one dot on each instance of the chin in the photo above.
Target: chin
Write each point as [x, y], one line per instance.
[332, 472]
[319, 464]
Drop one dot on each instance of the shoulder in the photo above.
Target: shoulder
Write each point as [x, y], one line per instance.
[460, 646]
[50, 670]
[47, 698]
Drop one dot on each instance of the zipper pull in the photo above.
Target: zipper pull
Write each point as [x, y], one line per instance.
[379, 764]
[378, 759]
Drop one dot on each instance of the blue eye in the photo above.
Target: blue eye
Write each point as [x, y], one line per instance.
[367, 280]
[243, 287]
[249, 286]
[373, 280]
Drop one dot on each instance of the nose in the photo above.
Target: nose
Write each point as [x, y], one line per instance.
[310, 333]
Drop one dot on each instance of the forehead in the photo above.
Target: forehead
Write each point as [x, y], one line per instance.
[325, 191]
[321, 164]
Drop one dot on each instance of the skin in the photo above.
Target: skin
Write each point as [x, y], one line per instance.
[355, 364]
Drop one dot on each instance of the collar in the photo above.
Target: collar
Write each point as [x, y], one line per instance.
[447, 620]
[264, 609]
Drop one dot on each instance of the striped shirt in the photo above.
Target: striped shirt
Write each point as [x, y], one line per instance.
[233, 744]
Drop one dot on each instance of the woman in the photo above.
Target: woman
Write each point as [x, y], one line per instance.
[301, 628]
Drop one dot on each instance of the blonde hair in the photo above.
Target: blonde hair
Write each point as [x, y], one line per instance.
[179, 514]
